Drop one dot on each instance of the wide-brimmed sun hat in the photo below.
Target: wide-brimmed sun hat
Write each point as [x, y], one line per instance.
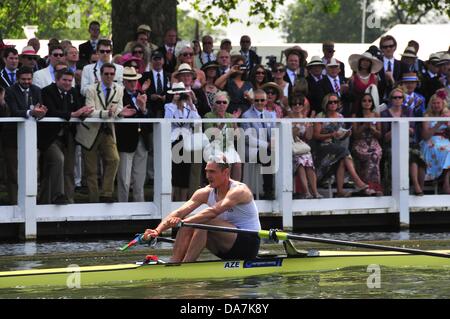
[130, 74]
[178, 88]
[354, 59]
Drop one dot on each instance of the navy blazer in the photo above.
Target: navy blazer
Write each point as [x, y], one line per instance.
[48, 132]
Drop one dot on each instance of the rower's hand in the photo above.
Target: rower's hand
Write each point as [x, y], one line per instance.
[150, 233]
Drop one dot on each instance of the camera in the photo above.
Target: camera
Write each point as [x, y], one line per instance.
[243, 68]
[184, 97]
[271, 61]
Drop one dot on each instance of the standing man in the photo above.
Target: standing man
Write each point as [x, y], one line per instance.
[72, 58]
[56, 140]
[328, 54]
[224, 61]
[260, 138]
[132, 141]
[230, 204]
[106, 97]
[251, 58]
[91, 72]
[315, 68]
[8, 74]
[158, 84]
[295, 56]
[168, 49]
[45, 77]
[87, 48]
[393, 69]
[23, 100]
[207, 52]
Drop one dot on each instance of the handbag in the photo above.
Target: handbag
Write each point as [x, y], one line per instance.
[193, 142]
[299, 147]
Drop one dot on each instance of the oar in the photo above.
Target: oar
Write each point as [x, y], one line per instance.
[279, 235]
[139, 239]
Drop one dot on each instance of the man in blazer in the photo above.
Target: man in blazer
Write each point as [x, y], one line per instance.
[45, 77]
[56, 140]
[332, 83]
[328, 54]
[23, 100]
[106, 97]
[91, 73]
[168, 49]
[393, 69]
[133, 141]
[87, 48]
[251, 58]
[8, 73]
[159, 84]
[259, 140]
[315, 68]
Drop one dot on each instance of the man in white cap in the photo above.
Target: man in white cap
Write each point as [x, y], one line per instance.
[315, 68]
[132, 141]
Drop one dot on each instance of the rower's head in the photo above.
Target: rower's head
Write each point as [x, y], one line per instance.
[217, 170]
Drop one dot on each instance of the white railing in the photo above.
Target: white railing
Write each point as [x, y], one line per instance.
[28, 212]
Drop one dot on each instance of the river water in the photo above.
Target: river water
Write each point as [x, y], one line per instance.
[342, 283]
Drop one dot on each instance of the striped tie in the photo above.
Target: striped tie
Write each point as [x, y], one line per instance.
[336, 87]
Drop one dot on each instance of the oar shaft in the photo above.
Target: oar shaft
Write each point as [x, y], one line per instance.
[273, 234]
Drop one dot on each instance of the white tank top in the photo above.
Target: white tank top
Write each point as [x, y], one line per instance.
[243, 216]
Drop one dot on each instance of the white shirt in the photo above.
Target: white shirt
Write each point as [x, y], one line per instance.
[386, 60]
[292, 76]
[333, 83]
[155, 78]
[204, 57]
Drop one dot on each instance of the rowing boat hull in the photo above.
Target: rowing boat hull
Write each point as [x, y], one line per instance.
[127, 273]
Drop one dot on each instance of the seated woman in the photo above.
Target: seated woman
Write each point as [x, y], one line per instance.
[258, 76]
[366, 148]
[303, 164]
[223, 141]
[211, 73]
[274, 94]
[416, 162]
[332, 154]
[278, 73]
[435, 146]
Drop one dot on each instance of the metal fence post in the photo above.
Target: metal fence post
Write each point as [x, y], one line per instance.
[27, 175]
[400, 169]
[284, 179]
[162, 167]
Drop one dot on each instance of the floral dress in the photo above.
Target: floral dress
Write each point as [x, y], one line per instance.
[305, 160]
[436, 151]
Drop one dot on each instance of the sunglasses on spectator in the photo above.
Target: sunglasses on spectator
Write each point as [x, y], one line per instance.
[221, 102]
[245, 41]
[56, 55]
[31, 58]
[332, 102]
[270, 92]
[390, 46]
[109, 73]
[260, 100]
[138, 52]
[104, 51]
[367, 100]
[260, 72]
[279, 70]
[188, 54]
[397, 97]
[207, 43]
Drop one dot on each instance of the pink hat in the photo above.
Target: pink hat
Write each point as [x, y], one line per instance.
[129, 57]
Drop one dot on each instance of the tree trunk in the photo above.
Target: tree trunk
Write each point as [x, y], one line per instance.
[128, 15]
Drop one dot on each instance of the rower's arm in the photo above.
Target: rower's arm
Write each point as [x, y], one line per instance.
[200, 197]
[236, 196]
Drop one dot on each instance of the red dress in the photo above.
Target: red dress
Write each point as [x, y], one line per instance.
[358, 89]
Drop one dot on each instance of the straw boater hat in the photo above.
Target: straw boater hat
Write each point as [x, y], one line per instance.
[316, 60]
[445, 58]
[178, 88]
[272, 85]
[144, 27]
[296, 50]
[409, 77]
[410, 52]
[210, 65]
[183, 69]
[29, 51]
[354, 59]
[130, 74]
[333, 62]
[434, 58]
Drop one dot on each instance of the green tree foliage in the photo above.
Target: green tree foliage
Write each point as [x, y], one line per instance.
[61, 19]
[340, 22]
[190, 28]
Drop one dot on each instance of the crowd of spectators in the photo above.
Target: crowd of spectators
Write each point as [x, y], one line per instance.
[190, 80]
